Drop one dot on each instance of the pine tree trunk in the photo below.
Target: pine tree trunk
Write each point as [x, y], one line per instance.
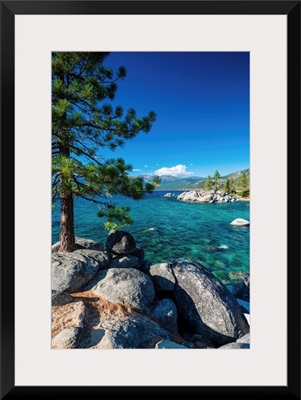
[67, 238]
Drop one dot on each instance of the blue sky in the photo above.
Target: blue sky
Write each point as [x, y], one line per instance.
[202, 104]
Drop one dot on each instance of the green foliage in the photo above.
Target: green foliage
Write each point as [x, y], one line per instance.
[229, 186]
[216, 178]
[117, 217]
[84, 121]
[244, 185]
[208, 183]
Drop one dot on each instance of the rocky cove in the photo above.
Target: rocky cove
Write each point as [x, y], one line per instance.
[110, 297]
[203, 196]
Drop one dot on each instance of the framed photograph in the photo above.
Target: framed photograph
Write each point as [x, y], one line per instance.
[103, 307]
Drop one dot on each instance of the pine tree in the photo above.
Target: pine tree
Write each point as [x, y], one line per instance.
[84, 122]
[216, 178]
[208, 183]
[232, 188]
[229, 186]
[244, 185]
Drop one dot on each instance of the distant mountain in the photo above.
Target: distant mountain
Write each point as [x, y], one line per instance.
[164, 178]
[238, 174]
[169, 182]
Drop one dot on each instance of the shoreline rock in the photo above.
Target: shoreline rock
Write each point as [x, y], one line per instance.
[206, 304]
[81, 243]
[70, 271]
[203, 196]
[116, 299]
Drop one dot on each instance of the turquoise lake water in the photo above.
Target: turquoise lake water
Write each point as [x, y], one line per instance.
[167, 229]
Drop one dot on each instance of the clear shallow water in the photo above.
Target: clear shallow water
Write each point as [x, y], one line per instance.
[167, 229]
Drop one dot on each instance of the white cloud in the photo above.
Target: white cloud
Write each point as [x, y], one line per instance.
[136, 170]
[178, 170]
[145, 166]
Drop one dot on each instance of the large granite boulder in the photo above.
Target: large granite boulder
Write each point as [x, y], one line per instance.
[202, 196]
[205, 199]
[206, 304]
[120, 243]
[72, 271]
[68, 338]
[95, 323]
[162, 276]
[134, 332]
[117, 326]
[126, 286]
[81, 243]
[244, 339]
[166, 314]
[128, 261]
[235, 346]
[71, 315]
[189, 196]
[100, 256]
[60, 298]
[169, 344]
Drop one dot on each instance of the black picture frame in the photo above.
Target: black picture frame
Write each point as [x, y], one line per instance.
[9, 9]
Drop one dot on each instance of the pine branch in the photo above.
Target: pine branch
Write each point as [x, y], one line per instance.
[89, 188]
[56, 179]
[85, 154]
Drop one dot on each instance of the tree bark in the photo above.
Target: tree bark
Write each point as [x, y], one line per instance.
[67, 238]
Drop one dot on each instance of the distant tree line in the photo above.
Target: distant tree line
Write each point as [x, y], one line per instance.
[240, 186]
